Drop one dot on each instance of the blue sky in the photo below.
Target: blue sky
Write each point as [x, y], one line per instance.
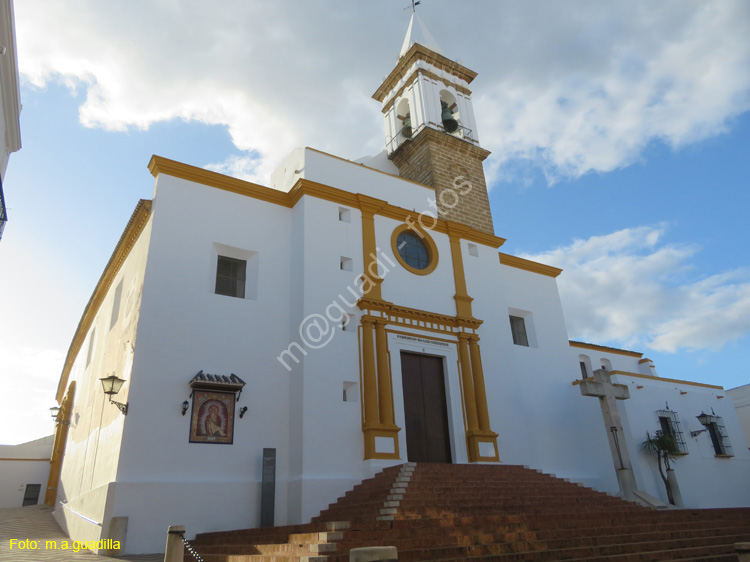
[620, 139]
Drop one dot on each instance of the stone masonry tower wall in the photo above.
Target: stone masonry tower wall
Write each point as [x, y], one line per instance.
[454, 168]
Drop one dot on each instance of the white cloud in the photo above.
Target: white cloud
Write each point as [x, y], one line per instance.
[631, 289]
[572, 90]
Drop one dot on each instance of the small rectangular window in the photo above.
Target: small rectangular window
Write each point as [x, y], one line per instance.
[31, 494]
[583, 369]
[230, 277]
[518, 328]
[116, 305]
[90, 352]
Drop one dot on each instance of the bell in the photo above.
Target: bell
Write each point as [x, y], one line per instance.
[406, 130]
[449, 122]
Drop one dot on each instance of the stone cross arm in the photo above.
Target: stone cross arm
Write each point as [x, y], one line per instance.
[603, 390]
[602, 387]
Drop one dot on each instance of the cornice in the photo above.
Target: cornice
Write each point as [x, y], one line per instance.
[159, 165]
[660, 379]
[431, 76]
[528, 265]
[419, 52]
[130, 235]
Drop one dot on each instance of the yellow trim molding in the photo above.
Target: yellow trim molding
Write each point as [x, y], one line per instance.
[415, 318]
[159, 165]
[678, 381]
[528, 265]
[130, 235]
[418, 52]
[605, 349]
[428, 242]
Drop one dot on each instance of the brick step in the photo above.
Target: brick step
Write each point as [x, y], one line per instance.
[258, 558]
[487, 535]
[669, 550]
[278, 538]
[722, 553]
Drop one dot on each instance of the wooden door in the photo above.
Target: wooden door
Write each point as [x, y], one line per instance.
[425, 408]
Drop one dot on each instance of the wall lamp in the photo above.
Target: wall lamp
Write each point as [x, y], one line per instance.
[112, 385]
[705, 420]
[242, 411]
[54, 410]
[185, 406]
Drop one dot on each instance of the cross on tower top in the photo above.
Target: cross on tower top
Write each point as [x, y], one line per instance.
[414, 4]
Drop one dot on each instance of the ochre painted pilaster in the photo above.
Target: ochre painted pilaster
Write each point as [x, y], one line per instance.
[470, 403]
[480, 392]
[462, 298]
[385, 389]
[58, 448]
[372, 280]
[481, 441]
[380, 430]
[369, 384]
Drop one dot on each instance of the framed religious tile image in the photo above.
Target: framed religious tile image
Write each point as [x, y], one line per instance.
[212, 419]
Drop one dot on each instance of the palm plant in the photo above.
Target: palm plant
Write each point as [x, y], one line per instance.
[664, 446]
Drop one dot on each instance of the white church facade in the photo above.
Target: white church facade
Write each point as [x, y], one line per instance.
[351, 316]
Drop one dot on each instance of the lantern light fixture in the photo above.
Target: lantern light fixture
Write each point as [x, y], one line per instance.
[112, 385]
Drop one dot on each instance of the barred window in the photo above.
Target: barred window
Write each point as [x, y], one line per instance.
[230, 277]
[718, 432]
[669, 424]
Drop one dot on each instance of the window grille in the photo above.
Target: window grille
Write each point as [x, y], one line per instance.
[230, 277]
[719, 437]
[670, 425]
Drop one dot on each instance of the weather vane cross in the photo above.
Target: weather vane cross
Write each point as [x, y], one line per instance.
[414, 4]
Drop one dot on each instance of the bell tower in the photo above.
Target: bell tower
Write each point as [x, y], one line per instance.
[430, 130]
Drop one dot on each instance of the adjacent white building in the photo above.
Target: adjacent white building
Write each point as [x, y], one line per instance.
[10, 98]
[741, 398]
[24, 471]
[350, 317]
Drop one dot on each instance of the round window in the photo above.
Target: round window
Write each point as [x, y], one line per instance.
[414, 249]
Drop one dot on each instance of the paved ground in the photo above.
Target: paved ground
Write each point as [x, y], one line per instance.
[36, 523]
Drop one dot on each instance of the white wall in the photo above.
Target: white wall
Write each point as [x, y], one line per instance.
[741, 398]
[705, 480]
[185, 327]
[92, 449]
[20, 465]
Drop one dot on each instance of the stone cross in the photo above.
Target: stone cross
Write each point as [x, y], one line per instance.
[609, 393]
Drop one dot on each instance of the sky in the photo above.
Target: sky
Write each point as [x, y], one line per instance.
[619, 132]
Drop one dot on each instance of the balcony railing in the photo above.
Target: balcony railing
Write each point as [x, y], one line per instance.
[408, 132]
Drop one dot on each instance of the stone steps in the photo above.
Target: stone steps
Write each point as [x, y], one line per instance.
[485, 513]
